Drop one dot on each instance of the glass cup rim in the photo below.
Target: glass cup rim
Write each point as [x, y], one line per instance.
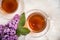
[46, 16]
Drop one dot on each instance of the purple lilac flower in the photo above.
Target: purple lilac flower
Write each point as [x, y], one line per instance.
[14, 22]
[8, 32]
[7, 37]
[11, 25]
[16, 18]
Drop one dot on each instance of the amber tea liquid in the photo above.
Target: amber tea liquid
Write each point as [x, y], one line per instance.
[37, 22]
[9, 5]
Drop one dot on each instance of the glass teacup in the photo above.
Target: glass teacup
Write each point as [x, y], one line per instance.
[5, 14]
[38, 22]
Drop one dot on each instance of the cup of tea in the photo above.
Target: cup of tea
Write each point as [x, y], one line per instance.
[38, 22]
[8, 8]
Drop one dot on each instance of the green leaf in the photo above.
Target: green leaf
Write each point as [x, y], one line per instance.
[24, 31]
[18, 32]
[21, 30]
[20, 24]
[22, 20]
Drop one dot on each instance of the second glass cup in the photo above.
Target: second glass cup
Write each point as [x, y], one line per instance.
[38, 22]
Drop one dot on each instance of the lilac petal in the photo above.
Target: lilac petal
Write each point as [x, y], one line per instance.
[15, 37]
[1, 32]
[5, 37]
[1, 27]
[16, 16]
[13, 22]
[7, 25]
[13, 25]
[10, 25]
[12, 32]
[6, 30]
